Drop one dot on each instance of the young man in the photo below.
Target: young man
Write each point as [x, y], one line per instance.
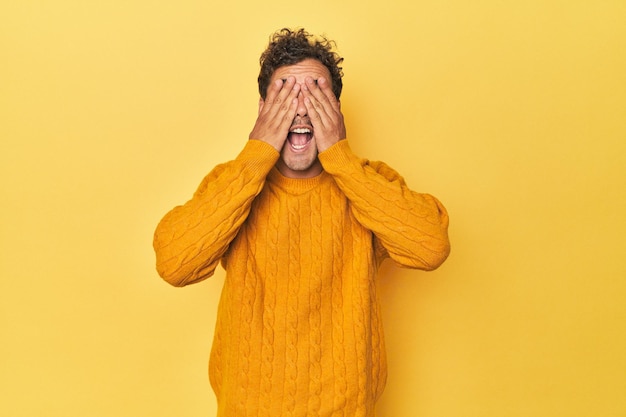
[301, 225]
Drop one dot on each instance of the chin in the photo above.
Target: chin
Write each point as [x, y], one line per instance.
[300, 167]
[301, 163]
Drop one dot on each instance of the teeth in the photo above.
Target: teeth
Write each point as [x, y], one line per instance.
[298, 147]
[301, 130]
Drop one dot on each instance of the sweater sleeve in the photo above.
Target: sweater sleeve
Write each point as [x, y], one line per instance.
[411, 228]
[191, 239]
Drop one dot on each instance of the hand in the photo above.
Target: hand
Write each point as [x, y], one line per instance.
[276, 113]
[324, 111]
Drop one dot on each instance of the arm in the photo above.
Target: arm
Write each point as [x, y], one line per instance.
[411, 227]
[191, 239]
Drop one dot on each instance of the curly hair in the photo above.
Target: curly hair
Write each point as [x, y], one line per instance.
[289, 47]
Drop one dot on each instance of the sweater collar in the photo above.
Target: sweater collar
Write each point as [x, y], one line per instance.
[296, 185]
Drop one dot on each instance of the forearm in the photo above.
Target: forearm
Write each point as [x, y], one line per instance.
[412, 227]
[191, 239]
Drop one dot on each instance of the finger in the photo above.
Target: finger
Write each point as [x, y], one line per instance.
[285, 109]
[291, 90]
[324, 106]
[276, 93]
[289, 114]
[316, 113]
[323, 98]
[288, 86]
[314, 107]
[272, 91]
[326, 88]
[321, 89]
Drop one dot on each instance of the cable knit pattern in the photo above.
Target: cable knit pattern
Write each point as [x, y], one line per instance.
[299, 331]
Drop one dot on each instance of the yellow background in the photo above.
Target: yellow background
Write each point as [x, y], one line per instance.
[512, 113]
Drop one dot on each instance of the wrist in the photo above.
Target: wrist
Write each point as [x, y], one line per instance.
[322, 145]
[277, 146]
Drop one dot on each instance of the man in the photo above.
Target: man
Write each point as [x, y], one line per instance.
[300, 225]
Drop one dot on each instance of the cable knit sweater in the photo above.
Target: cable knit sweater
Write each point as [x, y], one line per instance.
[299, 331]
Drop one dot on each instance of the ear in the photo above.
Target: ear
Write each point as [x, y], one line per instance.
[261, 103]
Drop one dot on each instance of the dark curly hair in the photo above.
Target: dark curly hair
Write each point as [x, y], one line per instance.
[289, 47]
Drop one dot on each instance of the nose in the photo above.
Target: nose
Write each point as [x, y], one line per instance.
[301, 110]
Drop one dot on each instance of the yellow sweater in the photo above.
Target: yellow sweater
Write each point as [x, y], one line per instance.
[299, 331]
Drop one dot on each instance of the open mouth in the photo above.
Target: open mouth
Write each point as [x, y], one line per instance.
[299, 138]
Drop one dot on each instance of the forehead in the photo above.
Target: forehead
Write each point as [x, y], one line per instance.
[307, 68]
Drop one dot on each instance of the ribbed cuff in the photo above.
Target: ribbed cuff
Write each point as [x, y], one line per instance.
[258, 156]
[338, 157]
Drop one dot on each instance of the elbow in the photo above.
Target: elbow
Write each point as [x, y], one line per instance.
[179, 271]
[181, 277]
[437, 257]
[439, 251]
[430, 256]
[167, 266]
[169, 273]
[424, 257]
[438, 244]
[173, 278]
[177, 267]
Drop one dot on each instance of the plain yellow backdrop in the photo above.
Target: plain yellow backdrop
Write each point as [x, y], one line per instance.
[512, 113]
